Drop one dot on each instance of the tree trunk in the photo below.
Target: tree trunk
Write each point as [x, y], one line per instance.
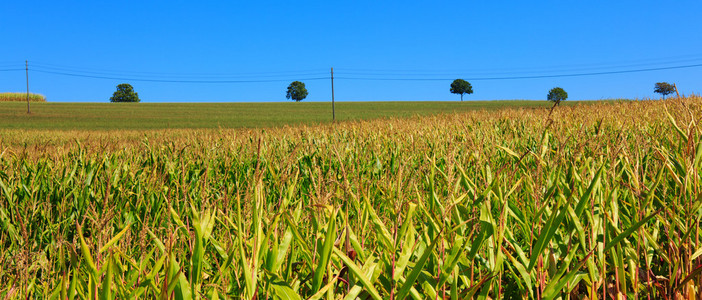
[461, 97]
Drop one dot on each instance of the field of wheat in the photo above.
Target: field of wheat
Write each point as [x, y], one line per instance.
[582, 202]
[21, 97]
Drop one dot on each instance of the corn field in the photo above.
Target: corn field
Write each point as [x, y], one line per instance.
[21, 97]
[582, 202]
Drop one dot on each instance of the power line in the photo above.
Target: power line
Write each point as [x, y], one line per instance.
[597, 69]
[572, 67]
[167, 77]
[287, 75]
[173, 81]
[528, 77]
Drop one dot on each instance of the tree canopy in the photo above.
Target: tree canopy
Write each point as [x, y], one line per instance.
[664, 88]
[460, 86]
[296, 91]
[557, 95]
[125, 93]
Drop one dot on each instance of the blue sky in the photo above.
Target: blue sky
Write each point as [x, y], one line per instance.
[290, 40]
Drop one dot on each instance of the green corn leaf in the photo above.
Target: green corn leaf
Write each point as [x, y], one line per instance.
[300, 241]
[553, 288]
[629, 231]
[281, 289]
[548, 231]
[368, 269]
[196, 261]
[249, 276]
[325, 289]
[358, 274]
[114, 240]
[72, 287]
[584, 199]
[64, 286]
[682, 134]
[526, 277]
[106, 291]
[86, 253]
[282, 250]
[479, 287]
[452, 260]
[486, 231]
[696, 254]
[696, 272]
[325, 255]
[405, 255]
[383, 233]
[416, 270]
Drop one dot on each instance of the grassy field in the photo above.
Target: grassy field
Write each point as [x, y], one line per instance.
[137, 116]
[589, 202]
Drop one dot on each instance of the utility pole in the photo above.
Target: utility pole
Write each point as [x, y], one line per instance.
[332, 82]
[676, 89]
[26, 70]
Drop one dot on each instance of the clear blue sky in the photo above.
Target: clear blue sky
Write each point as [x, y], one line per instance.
[288, 40]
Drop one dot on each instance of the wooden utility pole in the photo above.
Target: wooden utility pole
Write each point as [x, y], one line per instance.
[26, 70]
[676, 90]
[332, 82]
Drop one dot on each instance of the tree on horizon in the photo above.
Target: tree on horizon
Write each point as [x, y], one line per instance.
[556, 95]
[125, 93]
[664, 88]
[296, 91]
[460, 86]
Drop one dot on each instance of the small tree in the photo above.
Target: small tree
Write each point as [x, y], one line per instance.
[296, 91]
[556, 95]
[460, 86]
[125, 93]
[664, 88]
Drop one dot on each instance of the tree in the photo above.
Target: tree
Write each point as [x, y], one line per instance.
[296, 91]
[125, 93]
[460, 86]
[664, 88]
[556, 95]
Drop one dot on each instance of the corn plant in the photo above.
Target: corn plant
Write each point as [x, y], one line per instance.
[596, 201]
[15, 97]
